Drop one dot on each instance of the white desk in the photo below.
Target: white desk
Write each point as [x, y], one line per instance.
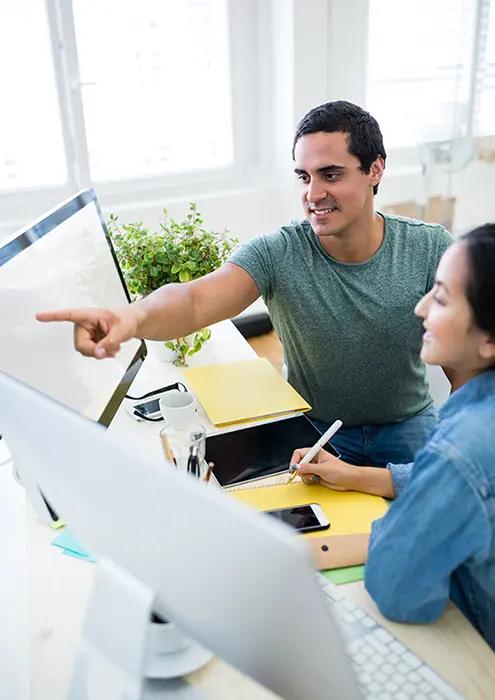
[59, 585]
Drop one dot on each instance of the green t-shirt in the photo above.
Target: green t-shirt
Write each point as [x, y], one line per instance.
[350, 337]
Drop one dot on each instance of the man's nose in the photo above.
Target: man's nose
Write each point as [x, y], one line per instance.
[316, 192]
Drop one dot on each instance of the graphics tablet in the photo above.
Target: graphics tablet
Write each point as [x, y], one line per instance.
[263, 450]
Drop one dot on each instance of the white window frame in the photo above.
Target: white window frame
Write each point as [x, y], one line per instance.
[251, 75]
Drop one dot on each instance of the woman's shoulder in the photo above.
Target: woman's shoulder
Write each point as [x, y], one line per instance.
[466, 439]
[468, 417]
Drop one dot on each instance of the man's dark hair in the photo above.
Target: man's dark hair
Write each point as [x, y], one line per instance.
[364, 138]
[480, 289]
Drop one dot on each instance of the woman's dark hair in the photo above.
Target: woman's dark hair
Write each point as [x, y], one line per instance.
[480, 289]
[364, 138]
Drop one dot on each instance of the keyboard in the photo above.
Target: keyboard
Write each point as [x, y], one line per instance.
[384, 667]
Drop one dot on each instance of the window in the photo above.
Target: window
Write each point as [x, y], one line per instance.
[128, 96]
[425, 68]
[485, 124]
[155, 85]
[31, 143]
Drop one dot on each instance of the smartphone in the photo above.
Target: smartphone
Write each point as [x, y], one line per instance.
[150, 409]
[307, 518]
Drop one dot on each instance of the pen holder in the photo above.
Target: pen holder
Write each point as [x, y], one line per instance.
[184, 448]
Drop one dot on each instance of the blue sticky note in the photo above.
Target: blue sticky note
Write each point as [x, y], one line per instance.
[71, 546]
[84, 557]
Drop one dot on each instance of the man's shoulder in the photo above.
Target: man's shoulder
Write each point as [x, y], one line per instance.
[405, 224]
[418, 235]
[295, 228]
[296, 233]
[288, 240]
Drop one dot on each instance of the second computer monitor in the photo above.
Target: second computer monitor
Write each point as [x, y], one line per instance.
[63, 260]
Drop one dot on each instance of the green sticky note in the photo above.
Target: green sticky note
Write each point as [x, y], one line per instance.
[347, 574]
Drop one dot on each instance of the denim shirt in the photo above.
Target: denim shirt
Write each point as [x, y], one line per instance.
[438, 537]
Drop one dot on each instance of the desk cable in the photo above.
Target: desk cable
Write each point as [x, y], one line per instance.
[178, 385]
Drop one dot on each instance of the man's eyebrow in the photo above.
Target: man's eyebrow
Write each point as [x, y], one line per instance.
[331, 169]
[325, 169]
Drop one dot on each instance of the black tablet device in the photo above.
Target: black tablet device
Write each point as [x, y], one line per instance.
[263, 450]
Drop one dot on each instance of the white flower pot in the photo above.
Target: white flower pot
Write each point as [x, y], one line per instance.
[157, 349]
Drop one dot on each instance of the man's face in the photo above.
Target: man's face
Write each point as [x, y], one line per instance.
[335, 191]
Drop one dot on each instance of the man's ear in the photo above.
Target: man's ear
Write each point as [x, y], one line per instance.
[376, 170]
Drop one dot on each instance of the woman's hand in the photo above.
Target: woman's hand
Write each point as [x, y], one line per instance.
[335, 474]
[326, 470]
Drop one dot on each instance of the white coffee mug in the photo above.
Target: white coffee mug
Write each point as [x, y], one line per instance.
[178, 408]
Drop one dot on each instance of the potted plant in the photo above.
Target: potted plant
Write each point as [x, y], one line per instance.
[176, 252]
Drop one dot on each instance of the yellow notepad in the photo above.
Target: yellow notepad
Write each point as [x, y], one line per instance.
[349, 512]
[243, 391]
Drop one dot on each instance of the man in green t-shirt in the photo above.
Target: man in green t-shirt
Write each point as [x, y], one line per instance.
[340, 287]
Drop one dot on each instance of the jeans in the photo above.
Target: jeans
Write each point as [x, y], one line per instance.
[377, 445]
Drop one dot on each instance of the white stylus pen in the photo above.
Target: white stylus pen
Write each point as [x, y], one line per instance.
[313, 451]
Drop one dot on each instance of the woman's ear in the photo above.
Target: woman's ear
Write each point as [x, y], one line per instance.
[487, 350]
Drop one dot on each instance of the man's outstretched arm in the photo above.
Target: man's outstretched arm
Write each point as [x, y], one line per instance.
[172, 311]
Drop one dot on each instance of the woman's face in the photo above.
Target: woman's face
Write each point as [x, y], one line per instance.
[451, 338]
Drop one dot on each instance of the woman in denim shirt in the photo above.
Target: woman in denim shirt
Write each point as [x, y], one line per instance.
[438, 537]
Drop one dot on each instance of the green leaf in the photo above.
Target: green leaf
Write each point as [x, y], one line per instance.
[174, 251]
[184, 276]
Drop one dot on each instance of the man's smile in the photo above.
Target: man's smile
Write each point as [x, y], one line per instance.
[321, 212]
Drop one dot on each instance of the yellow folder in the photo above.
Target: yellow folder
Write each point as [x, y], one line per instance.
[242, 391]
[349, 512]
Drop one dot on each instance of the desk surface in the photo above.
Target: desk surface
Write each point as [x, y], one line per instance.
[59, 586]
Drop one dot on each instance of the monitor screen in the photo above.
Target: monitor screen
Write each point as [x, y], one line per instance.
[64, 260]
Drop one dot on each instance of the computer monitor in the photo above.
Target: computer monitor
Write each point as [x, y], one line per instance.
[236, 581]
[64, 259]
